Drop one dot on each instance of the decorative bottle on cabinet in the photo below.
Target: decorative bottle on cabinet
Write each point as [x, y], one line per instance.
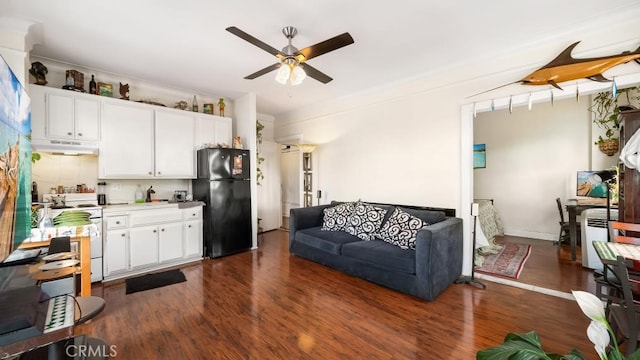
[194, 105]
[629, 179]
[92, 86]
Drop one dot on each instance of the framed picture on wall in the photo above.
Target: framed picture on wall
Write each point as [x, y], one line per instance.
[479, 156]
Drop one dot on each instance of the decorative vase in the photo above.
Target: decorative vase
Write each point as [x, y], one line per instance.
[609, 147]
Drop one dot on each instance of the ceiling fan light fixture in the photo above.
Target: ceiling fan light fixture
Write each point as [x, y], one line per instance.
[297, 75]
[282, 76]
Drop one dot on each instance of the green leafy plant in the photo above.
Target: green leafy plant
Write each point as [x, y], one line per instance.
[528, 347]
[606, 109]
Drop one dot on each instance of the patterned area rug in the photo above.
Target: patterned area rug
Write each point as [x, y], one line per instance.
[508, 262]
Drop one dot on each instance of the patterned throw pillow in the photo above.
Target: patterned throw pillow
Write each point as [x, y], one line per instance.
[401, 229]
[336, 218]
[365, 221]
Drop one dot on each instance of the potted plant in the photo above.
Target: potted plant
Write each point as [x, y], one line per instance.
[606, 110]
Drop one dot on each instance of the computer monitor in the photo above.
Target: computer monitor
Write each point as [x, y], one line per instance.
[590, 183]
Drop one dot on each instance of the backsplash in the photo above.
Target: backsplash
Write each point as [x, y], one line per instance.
[72, 170]
[66, 170]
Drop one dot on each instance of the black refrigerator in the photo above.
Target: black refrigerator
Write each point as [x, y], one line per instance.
[223, 184]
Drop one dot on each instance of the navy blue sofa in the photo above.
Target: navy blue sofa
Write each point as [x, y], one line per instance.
[424, 272]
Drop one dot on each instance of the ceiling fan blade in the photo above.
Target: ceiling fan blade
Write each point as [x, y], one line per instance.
[324, 47]
[268, 69]
[315, 73]
[259, 43]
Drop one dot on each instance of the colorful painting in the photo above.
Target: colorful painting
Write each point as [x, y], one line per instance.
[479, 156]
[15, 162]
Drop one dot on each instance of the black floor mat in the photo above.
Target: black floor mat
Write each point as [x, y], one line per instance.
[152, 281]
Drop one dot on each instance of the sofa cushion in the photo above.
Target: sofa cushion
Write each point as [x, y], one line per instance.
[336, 218]
[330, 242]
[428, 216]
[382, 255]
[401, 229]
[365, 221]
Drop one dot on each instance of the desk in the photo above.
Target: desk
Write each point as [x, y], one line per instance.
[574, 209]
[85, 260]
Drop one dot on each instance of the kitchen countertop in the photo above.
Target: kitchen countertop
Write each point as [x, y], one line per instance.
[150, 205]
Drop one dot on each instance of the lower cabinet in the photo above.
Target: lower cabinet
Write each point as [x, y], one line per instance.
[143, 240]
[116, 244]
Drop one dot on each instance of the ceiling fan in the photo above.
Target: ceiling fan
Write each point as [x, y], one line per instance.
[292, 67]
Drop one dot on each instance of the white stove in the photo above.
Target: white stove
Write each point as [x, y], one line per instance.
[85, 202]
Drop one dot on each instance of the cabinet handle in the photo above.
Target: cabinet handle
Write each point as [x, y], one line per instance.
[122, 235]
[193, 214]
[117, 222]
[69, 133]
[79, 134]
[159, 172]
[154, 231]
[149, 172]
[189, 226]
[162, 230]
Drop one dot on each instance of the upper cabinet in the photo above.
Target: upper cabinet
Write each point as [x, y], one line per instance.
[126, 150]
[65, 115]
[175, 144]
[136, 140]
[213, 129]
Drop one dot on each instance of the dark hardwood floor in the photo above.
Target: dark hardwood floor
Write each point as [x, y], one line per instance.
[267, 304]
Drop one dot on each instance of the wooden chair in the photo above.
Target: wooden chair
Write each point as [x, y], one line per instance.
[608, 287]
[624, 315]
[565, 226]
[624, 232]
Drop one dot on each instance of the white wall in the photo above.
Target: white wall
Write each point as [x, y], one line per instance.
[402, 143]
[532, 158]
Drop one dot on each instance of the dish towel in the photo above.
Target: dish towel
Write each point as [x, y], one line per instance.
[630, 153]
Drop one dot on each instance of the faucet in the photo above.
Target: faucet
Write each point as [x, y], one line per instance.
[149, 192]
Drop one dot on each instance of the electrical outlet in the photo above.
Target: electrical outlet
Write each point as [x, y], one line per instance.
[116, 186]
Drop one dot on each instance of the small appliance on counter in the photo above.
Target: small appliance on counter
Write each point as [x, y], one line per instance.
[102, 194]
[180, 195]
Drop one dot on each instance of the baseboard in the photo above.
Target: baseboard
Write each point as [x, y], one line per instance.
[532, 234]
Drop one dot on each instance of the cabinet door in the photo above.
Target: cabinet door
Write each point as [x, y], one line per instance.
[38, 111]
[116, 252]
[206, 131]
[126, 150]
[170, 241]
[175, 145]
[143, 246]
[223, 130]
[87, 124]
[193, 238]
[60, 115]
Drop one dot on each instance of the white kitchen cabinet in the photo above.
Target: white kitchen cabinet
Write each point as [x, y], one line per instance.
[38, 111]
[126, 150]
[170, 242]
[142, 239]
[64, 115]
[115, 252]
[72, 116]
[143, 246]
[192, 232]
[213, 129]
[175, 144]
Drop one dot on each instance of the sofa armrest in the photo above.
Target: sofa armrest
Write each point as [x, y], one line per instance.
[304, 218]
[439, 250]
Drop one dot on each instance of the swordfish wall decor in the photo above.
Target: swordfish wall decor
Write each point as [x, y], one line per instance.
[565, 68]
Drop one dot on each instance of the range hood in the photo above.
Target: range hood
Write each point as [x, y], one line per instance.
[68, 147]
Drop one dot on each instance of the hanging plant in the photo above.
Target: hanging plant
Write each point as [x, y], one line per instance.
[606, 110]
[259, 158]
